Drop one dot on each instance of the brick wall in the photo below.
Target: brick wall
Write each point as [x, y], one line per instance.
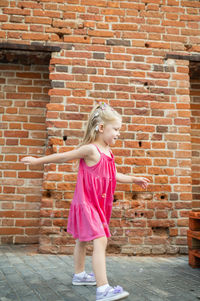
[23, 132]
[195, 134]
[116, 51]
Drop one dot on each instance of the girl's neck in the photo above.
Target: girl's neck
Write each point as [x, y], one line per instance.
[102, 145]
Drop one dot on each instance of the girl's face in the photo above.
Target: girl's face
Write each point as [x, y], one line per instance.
[110, 131]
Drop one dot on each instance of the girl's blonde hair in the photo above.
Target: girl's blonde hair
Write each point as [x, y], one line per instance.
[101, 113]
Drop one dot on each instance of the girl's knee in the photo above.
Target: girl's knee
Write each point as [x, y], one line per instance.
[101, 241]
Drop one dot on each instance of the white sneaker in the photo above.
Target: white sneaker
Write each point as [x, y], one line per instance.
[111, 294]
[87, 279]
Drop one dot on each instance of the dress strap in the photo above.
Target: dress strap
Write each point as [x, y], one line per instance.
[97, 148]
[103, 153]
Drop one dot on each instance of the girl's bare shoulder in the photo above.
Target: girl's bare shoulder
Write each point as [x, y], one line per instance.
[93, 155]
[87, 150]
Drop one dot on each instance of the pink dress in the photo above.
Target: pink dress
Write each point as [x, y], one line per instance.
[91, 206]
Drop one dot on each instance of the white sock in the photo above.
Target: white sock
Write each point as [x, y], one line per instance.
[102, 288]
[82, 274]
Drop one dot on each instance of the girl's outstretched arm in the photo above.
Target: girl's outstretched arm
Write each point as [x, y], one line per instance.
[84, 151]
[141, 181]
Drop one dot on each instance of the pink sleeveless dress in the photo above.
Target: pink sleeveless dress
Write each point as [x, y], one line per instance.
[91, 206]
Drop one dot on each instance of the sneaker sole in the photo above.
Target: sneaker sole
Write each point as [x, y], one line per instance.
[84, 283]
[118, 297]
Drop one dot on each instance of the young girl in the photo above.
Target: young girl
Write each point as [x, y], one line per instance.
[91, 206]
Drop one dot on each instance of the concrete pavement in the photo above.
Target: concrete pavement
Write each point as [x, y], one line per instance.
[28, 276]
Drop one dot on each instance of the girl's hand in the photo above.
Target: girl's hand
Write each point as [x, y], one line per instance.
[141, 181]
[29, 160]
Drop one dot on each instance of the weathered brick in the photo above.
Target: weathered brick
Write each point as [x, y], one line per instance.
[118, 42]
[38, 20]
[100, 56]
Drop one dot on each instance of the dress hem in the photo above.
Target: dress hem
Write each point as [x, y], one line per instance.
[93, 238]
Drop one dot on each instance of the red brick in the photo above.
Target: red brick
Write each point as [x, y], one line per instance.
[26, 223]
[118, 57]
[11, 231]
[59, 92]
[54, 177]
[124, 26]
[100, 33]
[38, 20]
[77, 39]
[35, 36]
[11, 110]
[14, 27]
[4, 18]
[109, 11]
[19, 134]
[12, 214]
[17, 11]
[30, 175]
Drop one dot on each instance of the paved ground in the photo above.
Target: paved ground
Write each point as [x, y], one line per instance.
[28, 276]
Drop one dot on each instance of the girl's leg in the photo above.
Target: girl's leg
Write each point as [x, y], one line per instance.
[99, 260]
[79, 256]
